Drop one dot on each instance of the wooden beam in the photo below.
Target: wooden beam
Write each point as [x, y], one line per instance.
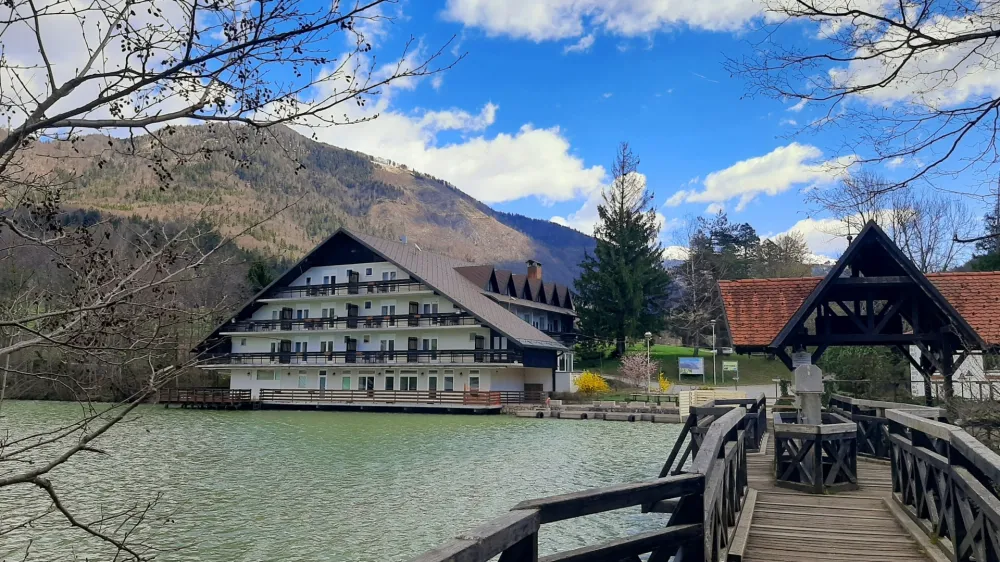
[869, 281]
[670, 538]
[862, 339]
[596, 500]
[781, 354]
[853, 315]
[934, 360]
[889, 313]
[916, 364]
[818, 353]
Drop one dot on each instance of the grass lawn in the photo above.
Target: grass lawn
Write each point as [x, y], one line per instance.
[753, 369]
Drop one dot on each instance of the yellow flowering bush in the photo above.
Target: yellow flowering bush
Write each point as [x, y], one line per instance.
[591, 383]
[664, 384]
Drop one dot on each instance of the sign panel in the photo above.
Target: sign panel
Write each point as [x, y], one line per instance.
[730, 366]
[801, 358]
[691, 365]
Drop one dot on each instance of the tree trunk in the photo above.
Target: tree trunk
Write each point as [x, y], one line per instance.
[928, 391]
[949, 389]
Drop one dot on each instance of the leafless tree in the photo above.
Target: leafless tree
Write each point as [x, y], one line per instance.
[109, 296]
[925, 224]
[915, 82]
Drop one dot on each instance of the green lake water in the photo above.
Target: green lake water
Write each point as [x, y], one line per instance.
[325, 486]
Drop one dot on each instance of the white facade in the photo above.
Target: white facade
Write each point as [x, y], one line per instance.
[971, 380]
[309, 350]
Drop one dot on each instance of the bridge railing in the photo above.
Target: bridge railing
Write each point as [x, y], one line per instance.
[947, 482]
[704, 501]
[701, 418]
[814, 458]
[873, 439]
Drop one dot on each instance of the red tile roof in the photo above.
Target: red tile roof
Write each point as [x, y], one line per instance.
[757, 309]
[976, 296]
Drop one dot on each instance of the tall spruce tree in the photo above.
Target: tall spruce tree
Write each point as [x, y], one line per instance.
[623, 285]
[987, 257]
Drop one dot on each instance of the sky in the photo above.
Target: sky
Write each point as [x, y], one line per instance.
[530, 117]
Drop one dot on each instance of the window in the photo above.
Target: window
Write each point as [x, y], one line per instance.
[389, 382]
[274, 315]
[473, 383]
[309, 280]
[322, 347]
[326, 279]
[562, 362]
[407, 383]
[346, 384]
[265, 375]
[368, 305]
[303, 381]
[367, 338]
[431, 308]
[325, 313]
[368, 271]
[991, 362]
[366, 383]
[274, 347]
[449, 384]
[527, 318]
[243, 342]
[298, 347]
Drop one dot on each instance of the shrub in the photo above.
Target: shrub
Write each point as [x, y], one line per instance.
[664, 384]
[637, 371]
[591, 383]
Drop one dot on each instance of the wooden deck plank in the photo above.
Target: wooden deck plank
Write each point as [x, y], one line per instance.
[790, 526]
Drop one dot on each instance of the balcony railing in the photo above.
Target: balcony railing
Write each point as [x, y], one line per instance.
[444, 397]
[354, 322]
[339, 289]
[404, 357]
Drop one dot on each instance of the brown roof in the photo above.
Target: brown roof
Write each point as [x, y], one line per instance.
[478, 274]
[520, 284]
[536, 289]
[440, 273]
[758, 309]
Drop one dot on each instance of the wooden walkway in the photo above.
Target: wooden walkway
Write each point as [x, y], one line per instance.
[790, 526]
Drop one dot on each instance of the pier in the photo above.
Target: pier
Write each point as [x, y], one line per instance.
[902, 486]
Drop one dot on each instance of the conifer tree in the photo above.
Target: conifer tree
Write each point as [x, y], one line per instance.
[623, 285]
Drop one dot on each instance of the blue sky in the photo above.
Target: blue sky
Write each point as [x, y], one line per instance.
[529, 121]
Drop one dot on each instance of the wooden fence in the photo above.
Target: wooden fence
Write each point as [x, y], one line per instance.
[704, 501]
[818, 459]
[203, 396]
[449, 398]
[873, 437]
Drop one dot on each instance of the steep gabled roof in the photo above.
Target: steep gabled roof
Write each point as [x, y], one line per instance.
[521, 286]
[536, 290]
[757, 309]
[438, 272]
[479, 274]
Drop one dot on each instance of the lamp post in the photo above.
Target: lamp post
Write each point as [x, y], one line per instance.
[649, 336]
[715, 366]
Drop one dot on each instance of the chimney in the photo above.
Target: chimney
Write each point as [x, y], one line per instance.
[534, 270]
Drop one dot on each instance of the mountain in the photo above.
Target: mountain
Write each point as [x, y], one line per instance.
[297, 191]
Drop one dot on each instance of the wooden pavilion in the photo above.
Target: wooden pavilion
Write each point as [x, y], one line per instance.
[873, 296]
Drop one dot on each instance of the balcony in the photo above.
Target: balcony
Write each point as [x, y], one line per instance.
[404, 357]
[403, 286]
[353, 323]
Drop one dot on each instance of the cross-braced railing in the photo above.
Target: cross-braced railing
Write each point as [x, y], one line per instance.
[704, 500]
[873, 437]
[815, 458]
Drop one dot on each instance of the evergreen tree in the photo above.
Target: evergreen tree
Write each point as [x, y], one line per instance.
[259, 275]
[623, 284]
[987, 256]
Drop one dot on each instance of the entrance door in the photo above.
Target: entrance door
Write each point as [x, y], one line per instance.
[353, 278]
[414, 312]
[285, 351]
[411, 350]
[286, 318]
[480, 344]
[352, 316]
[449, 384]
[351, 355]
[322, 380]
[432, 386]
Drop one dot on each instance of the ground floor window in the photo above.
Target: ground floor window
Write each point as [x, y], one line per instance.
[474, 384]
[389, 383]
[407, 383]
[346, 384]
[303, 381]
[366, 383]
[449, 384]
[265, 375]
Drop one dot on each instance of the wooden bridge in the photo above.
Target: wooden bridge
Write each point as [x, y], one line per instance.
[877, 481]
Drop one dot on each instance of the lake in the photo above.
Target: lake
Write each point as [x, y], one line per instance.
[326, 486]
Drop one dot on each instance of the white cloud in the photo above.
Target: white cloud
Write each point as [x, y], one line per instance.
[436, 81]
[675, 253]
[789, 122]
[825, 237]
[607, 95]
[563, 19]
[939, 77]
[798, 106]
[581, 46]
[775, 172]
[895, 163]
[714, 209]
[459, 120]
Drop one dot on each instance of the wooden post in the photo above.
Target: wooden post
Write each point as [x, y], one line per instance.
[525, 550]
